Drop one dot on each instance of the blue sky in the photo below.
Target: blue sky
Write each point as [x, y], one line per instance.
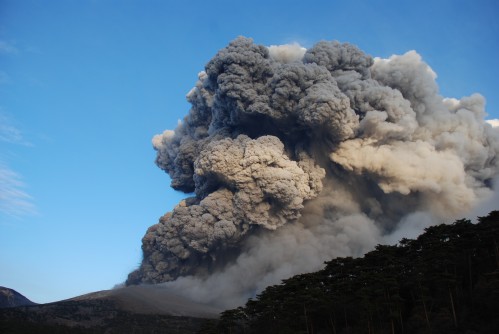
[84, 85]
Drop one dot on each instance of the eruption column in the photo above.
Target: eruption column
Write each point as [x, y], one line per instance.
[296, 156]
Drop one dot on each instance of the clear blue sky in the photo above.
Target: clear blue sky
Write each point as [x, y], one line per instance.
[84, 85]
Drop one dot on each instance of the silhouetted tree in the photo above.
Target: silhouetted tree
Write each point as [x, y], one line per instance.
[445, 281]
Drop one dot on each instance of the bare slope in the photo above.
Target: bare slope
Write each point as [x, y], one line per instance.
[138, 309]
[152, 299]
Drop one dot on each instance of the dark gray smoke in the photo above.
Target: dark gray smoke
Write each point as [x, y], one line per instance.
[296, 156]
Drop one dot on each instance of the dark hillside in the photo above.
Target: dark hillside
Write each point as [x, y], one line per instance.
[92, 316]
[139, 309]
[12, 298]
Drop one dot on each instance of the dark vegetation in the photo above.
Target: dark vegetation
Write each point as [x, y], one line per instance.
[445, 281]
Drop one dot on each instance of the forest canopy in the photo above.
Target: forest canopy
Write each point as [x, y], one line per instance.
[445, 281]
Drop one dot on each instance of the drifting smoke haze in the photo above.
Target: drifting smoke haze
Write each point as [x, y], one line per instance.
[297, 156]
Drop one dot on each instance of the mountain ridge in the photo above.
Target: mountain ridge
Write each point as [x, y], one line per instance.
[137, 309]
[11, 298]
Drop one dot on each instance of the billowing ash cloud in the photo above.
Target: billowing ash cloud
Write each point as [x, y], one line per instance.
[296, 156]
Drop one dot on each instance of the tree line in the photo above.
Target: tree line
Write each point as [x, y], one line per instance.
[445, 281]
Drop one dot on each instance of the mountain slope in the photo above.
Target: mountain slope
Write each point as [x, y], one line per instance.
[12, 298]
[138, 309]
[152, 299]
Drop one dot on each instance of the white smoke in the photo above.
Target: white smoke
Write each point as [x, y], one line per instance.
[287, 53]
[297, 157]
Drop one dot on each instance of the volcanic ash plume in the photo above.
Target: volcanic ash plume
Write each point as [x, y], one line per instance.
[296, 156]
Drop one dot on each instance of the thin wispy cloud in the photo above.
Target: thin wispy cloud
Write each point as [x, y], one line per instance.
[14, 200]
[7, 48]
[4, 78]
[9, 133]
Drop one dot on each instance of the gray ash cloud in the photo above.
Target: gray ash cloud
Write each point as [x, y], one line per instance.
[296, 156]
